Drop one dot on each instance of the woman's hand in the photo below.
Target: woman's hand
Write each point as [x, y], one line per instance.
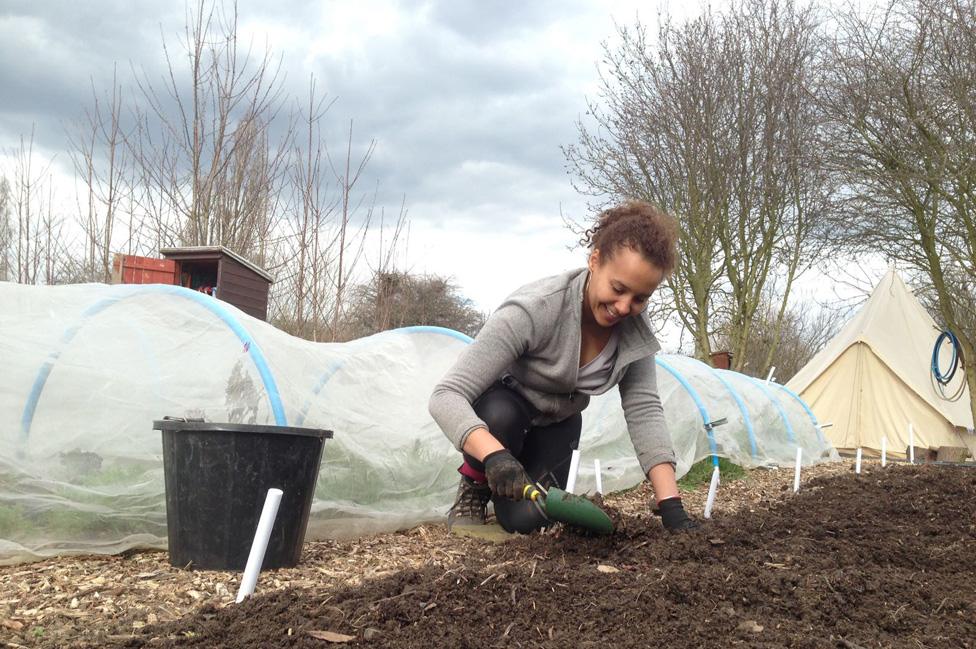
[674, 517]
[669, 507]
[506, 475]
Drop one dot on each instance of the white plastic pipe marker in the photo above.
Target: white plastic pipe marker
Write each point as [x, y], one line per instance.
[599, 476]
[884, 451]
[573, 470]
[796, 471]
[260, 544]
[911, 443]
[857, 463]
[712, 488]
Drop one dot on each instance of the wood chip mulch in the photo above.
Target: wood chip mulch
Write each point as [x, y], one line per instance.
[58, 602]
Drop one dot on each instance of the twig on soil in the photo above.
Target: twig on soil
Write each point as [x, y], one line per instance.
[334, 609]
[379, 601]
[830, 586]
[355, 623]
[451, 571]
[847, 644]
[946, 549]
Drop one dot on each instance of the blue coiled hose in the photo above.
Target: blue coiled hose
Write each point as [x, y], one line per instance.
[941, 378]
[944, 379]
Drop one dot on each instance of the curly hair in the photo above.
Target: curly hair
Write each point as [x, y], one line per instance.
[639, 226]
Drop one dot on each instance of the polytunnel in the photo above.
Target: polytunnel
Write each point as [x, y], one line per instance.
[87, 368]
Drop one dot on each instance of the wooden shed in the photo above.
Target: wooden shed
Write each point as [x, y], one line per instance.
[221, 272]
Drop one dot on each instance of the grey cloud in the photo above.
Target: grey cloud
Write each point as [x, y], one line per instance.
[437, 101]
[467, 89]
[484, 22]
[54, 52]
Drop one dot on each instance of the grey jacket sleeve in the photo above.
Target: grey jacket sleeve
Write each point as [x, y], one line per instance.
[645, 414]
[503, 339]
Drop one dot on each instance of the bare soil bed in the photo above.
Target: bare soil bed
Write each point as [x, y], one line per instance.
[884, 559]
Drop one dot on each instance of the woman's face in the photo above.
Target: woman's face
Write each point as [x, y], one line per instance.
[619, 286]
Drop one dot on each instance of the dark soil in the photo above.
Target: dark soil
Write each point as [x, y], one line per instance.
[884, 559]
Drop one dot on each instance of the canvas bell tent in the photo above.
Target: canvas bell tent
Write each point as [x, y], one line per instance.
[874, 378]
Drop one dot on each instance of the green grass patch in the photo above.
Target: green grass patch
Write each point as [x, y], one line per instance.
[701, 473]
[12, 521]
[114, 474]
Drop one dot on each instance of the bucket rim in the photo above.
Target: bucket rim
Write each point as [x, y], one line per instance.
[179, 425]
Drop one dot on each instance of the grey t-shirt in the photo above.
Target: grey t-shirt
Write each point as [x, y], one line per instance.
[595, 374]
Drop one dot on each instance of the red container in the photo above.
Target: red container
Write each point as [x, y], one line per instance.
[130, 269]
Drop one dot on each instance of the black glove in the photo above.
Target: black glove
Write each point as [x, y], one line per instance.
[505, 474]
[673, 515]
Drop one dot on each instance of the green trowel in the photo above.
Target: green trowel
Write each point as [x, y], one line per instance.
[565, 507]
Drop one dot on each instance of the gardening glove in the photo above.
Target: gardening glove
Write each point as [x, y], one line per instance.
[673, 515]
[505, 474]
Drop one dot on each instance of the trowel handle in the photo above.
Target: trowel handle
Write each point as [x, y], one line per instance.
[532, 492]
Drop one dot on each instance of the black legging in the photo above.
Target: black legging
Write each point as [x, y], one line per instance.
[544, 451]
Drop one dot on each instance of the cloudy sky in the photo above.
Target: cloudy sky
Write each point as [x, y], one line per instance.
[469, 103]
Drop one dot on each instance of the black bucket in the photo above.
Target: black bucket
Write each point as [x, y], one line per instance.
[217, 477]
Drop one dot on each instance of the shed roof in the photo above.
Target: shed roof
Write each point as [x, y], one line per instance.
[208, 252]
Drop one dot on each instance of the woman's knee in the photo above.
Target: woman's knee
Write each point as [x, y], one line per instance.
[506, 415]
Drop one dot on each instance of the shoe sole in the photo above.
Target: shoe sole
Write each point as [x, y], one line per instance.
[491, 532]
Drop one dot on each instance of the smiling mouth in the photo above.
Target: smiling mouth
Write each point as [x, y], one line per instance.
[612, 314]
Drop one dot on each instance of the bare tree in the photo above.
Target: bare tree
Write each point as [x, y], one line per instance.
[99, 156]
[6, 231]
[27, 256]
[798, 335]
[205, 156]
[326, 230]
[28, 204]
[302, 295]
[38, 251]
[385, 309]
[204, 144]
[715, 126]
[350, 205]
[901, 102]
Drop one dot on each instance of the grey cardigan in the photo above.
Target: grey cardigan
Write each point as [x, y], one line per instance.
[533, 339]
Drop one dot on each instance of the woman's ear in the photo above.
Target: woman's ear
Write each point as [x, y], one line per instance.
[594, 259]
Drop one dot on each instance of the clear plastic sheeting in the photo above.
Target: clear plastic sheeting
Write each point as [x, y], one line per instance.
[87, 368]
[710, 412]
